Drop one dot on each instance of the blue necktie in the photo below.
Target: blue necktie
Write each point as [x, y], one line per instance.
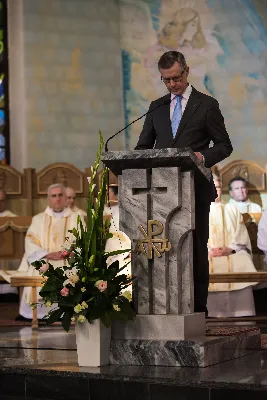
[177, 115]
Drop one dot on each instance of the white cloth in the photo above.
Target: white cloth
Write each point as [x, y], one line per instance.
[246, 206]
[79, 211]
[262, 234]
[119, 241]
[184, 100]
[227, 228]
[113, 213]
[7, 213]
[5, 288]
[236, 303]
[46, 234]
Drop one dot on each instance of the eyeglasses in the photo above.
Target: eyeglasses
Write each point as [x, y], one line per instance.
[174, 79]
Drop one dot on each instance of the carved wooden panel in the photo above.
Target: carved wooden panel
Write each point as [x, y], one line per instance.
[64, 173]
[12, 237]
[254, 174]
[10, 180]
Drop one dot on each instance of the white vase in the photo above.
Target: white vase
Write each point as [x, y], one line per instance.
[93, 343]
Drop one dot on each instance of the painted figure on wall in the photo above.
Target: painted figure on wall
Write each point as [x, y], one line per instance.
[147, 35]
[184, 33]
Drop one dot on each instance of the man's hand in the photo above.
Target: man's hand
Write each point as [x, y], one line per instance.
[54, 256]
[220, 252]
[199, 156]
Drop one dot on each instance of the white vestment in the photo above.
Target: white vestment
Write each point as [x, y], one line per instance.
[119, 241]
[226, 228]
[46, 234]
[113, 213]
[7, 213]
[246, 206]
[79, 211]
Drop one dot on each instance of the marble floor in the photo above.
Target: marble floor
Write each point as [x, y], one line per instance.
[47, 357]
[52, 348]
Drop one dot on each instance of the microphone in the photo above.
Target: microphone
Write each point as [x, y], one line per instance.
[164, 103]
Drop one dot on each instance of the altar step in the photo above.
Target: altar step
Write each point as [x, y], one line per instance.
[200, 352]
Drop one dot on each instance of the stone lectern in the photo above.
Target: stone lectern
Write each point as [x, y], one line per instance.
[156, 208]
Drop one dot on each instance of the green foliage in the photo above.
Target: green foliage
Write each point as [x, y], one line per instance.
[86, 286]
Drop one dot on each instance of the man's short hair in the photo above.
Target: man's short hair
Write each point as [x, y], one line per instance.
[114, 189]
[54, 186]
[237, 178]
[168, 59]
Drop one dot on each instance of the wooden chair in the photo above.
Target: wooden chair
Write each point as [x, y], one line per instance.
[18, 187]
[64, 173]
[12, 237]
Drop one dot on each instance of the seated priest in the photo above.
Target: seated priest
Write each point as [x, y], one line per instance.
[229, 251]
[238, 190]
[44, 240]
[4, 212]
[70, 202]
[119, 241]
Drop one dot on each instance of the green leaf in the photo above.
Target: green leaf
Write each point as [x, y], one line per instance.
[66, 321]
[106, 319]
[107, 223]
[51, 284]
[114, 253]
[54, 316]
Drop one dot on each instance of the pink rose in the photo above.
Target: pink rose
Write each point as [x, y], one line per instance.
[101, 285]
[65, 254]
[64, 292]
[44, 268]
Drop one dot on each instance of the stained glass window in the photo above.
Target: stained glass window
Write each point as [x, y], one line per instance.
[4, 111]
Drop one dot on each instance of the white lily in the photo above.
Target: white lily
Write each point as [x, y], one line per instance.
[72, 275]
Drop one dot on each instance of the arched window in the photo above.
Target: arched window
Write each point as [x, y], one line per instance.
[4, 106]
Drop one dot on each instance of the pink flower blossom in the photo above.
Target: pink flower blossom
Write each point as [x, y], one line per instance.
[101, 285]
[44, 268]
[65, 254]
[64, 292]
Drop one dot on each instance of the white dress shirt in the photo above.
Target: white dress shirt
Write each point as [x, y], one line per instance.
[184, 100]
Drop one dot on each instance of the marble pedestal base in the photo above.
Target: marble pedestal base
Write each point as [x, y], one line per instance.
[198, 352]
[161, 327]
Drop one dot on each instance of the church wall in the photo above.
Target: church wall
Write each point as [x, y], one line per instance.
[67, 77]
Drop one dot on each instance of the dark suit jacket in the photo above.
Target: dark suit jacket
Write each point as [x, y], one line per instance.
[201, 122]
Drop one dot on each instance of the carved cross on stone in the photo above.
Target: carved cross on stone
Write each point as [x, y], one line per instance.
[149, 191]
[164, 195]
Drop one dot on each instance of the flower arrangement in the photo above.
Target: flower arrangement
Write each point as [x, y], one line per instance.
[86, 288]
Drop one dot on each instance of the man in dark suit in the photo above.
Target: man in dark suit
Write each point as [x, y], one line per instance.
[188, 118]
